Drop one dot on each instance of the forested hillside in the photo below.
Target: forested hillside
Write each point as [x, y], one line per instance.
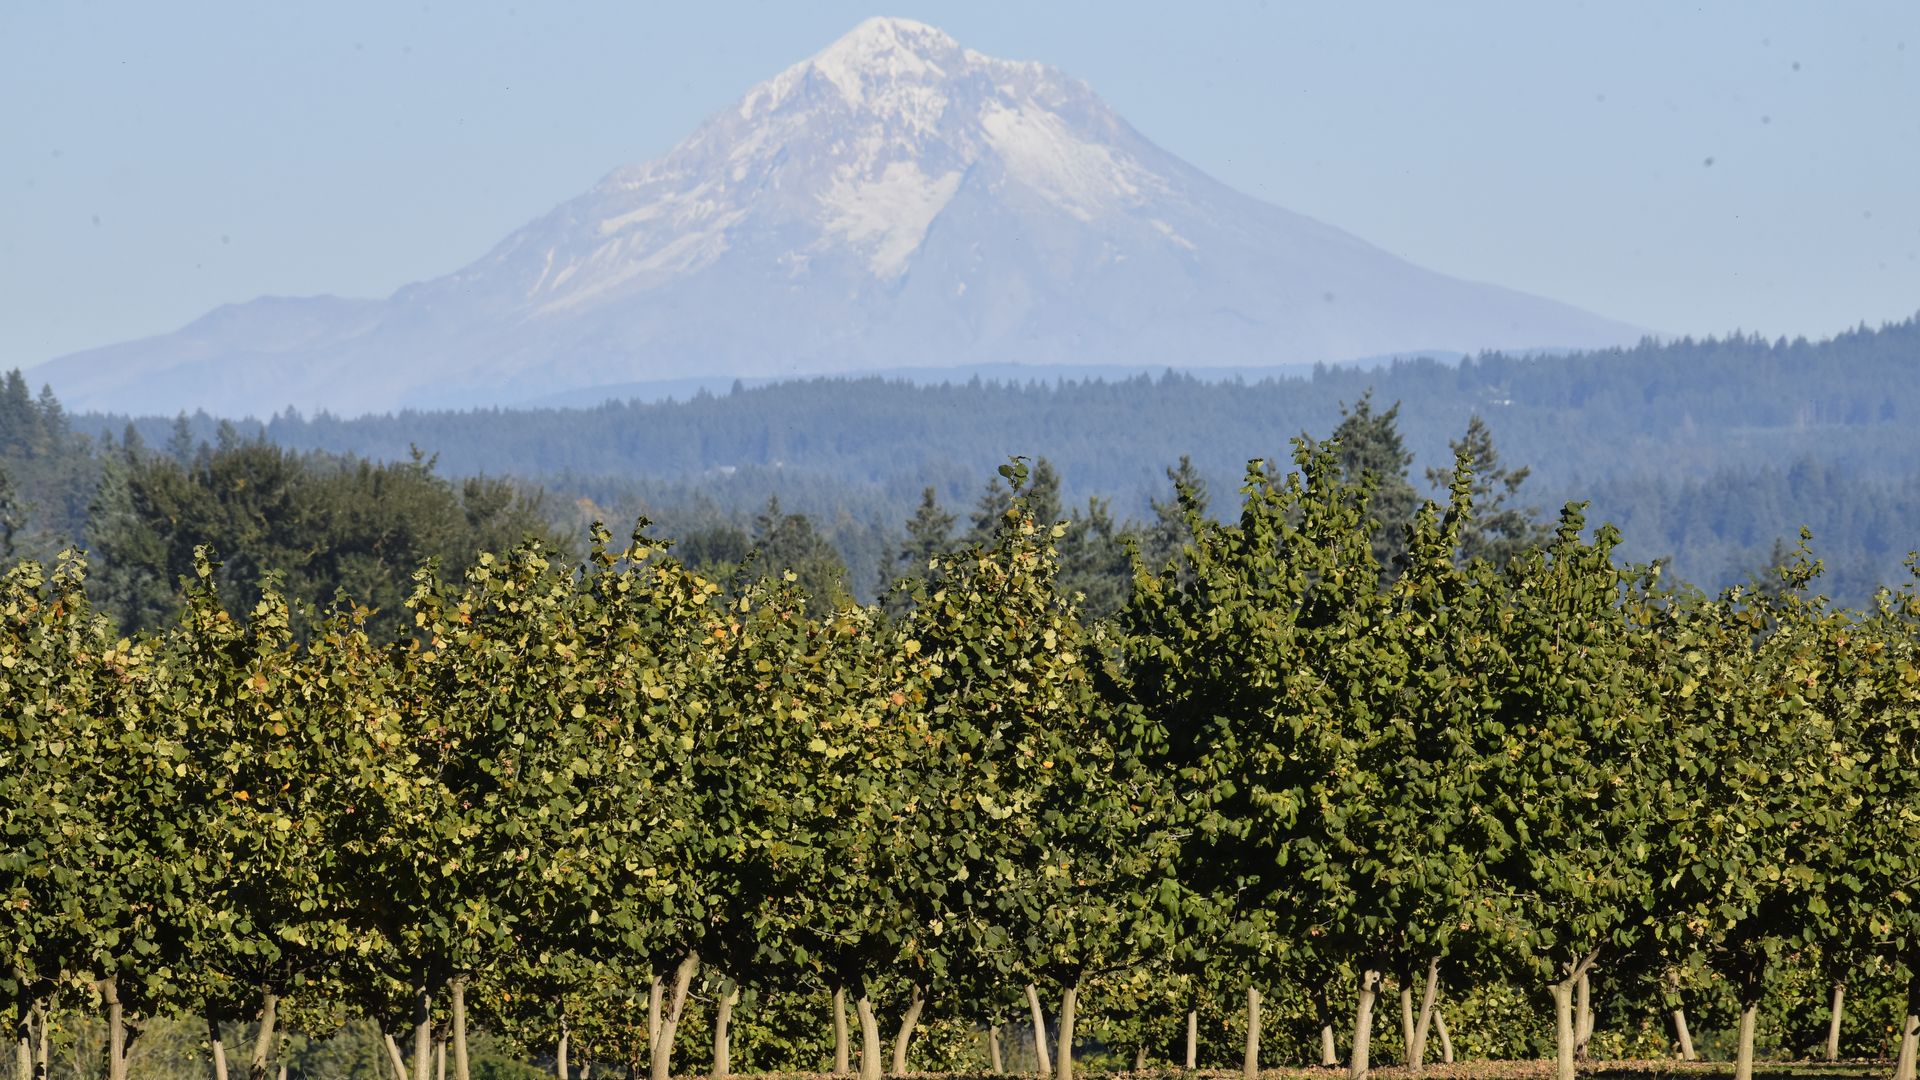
[1714, 451]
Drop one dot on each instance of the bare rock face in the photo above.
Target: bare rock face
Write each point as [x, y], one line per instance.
[896, 200]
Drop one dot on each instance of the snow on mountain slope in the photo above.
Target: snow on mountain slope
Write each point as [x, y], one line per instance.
[895, 200]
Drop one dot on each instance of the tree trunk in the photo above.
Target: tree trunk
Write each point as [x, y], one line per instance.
[994, 1062]
[216, 1047]
[458, 990]
[562, 1068]
[1834, 1012]
[1563, 1029]
[1069, 1005]
[653, 1013]
[842, 1053]
[439, 1057]
[263, 1039]
[904, 1040]
[662, 1066]
[1329, 1048]
[393, 1052]
[869, 1037]
[284, 1070]
[23, 1036]
[423, 1034]
[116, 1031]
[1743, 1055]
[723, 1031]
[1040, 1053]
[1417, 1047]
[1357, 1062]
[1583, 1014]
[1250, 1064]
[1140, 1059]
[1681, 1035]
[1446, 1040]
[1406, 1025]
[1193, 1038]
[42, 1051]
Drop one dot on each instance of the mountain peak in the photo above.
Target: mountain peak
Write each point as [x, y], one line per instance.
[872, 66]
[881, 38]
[894, 198]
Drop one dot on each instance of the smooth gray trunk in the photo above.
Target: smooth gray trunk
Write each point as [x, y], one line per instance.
[1069, 1009]
[662, 1048]
[1446, 1040]
[1682, 1035]
[116, 1031]
[993, 1050]
[422, 1034]
[1834, 1012]
[393, 1053]
[1250, 1064]
[561, 1051]
[1406, 1027]
[1357, 1058]
[1139, 1059]
[842, 1053]
[1909, 1035]
[458, 990]
[1563, 1029]
[1743, 1055]
[263, 1040]
[1193, 1038]
[723, 1031]
[1583, 1014]
[1329, 1048]
[1040, 1053]
[42, 1051]
[904, 1039]
[439, 1057]
[869, 1037]
[1417, 1046]
[216, 1047]
[653, 1013]
[23, 1037]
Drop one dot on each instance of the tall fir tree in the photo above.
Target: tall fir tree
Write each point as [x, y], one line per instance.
[1042, 496]
[1500, 529]
[785, 543]
[1168, 532]
[929, 536]
[1095, 565]
[1369, 446]
[11, 519]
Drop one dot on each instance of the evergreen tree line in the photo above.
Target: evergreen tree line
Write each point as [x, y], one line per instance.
[1314, 767]
[327, 523]
[1702, 444]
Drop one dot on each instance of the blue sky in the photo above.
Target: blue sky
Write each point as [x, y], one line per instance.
[1693, 168]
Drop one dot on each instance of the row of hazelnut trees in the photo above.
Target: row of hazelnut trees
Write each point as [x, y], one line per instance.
[570, 790]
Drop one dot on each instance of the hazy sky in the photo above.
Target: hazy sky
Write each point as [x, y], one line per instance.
[1693, 168]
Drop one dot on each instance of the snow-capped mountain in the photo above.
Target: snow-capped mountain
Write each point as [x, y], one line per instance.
[895, 200]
